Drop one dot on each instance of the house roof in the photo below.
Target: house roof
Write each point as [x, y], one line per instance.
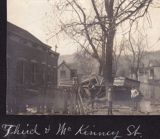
[73, 66]
[26, 35]
[70, 66]
[154, 63]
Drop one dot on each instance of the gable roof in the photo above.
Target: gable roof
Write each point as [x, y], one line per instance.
[154, 63]
[21, 32]
[26, 35]
[70, 66]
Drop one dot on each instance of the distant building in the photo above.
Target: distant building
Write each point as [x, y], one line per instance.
[152, 72]
[66, 72]
[31, 69]
[150, 80]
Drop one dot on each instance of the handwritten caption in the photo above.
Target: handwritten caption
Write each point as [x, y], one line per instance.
[64, 129]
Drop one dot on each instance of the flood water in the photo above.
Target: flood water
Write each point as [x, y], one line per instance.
[148, 106]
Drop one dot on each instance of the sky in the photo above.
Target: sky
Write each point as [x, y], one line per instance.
[34, 16]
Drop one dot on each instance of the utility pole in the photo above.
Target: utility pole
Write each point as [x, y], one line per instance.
[110, 100]
[56, 47]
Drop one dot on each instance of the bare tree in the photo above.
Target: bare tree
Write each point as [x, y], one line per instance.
[85, 62]
[94, 26]
[118, 49]
[156, 4]
[135, 52]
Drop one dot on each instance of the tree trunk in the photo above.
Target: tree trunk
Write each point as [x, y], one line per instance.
[109, 44]
[109, 58]
[136, 75]
[100, 69]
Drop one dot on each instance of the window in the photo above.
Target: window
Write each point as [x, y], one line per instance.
[73, 73]
[42, 73]
[52, 75]
[39, 74]
[151, 73]
[62, 74]
[49, 75]
[20, 72]
[33, 72]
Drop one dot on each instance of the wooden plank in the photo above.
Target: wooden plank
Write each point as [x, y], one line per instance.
[126, 82]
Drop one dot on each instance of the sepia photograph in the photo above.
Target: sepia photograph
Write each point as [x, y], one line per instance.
[83, 57]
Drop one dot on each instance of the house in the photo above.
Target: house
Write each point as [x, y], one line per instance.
[152, 72]
[66, 72]
[150, 80]
[31, 69]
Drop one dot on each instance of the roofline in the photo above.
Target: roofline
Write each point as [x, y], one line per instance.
[40, 42]
[63, 62]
